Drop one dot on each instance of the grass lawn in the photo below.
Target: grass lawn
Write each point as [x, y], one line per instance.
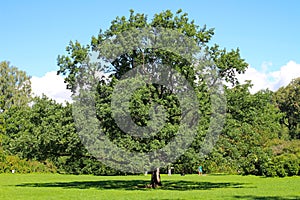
[55, 186]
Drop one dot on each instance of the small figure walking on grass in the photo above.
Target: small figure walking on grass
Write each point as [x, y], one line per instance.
[200, 170]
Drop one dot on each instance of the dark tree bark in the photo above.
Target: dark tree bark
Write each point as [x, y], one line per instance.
[155, 178]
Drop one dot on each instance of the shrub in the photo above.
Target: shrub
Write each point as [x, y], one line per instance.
[9, 163]
[291, 164]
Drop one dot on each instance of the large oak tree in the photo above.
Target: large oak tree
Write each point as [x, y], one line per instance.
[226, 63]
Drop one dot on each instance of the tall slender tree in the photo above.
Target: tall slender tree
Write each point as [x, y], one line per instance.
[15, 86]
[287, 99]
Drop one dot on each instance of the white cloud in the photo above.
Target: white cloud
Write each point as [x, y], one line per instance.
[52, 86]
[271, 80]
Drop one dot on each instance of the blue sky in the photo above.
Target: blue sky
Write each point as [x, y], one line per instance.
[34, 33]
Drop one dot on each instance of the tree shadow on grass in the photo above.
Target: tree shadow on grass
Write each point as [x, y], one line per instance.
[248, 197]
[135, 185]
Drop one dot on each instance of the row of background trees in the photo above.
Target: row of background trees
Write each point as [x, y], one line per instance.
[260, 137]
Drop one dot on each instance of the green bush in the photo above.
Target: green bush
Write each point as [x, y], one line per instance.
[283, 165]
[269, 169]
[280, 171]
[291, 164]
[9, 163]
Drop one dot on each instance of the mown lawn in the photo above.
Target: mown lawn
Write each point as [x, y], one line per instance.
[55, 186]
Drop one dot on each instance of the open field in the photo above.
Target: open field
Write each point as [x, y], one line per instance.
[55, 186]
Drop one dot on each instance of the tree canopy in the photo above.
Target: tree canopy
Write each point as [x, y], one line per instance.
[227, 64]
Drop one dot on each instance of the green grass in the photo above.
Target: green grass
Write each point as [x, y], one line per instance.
[55, 186]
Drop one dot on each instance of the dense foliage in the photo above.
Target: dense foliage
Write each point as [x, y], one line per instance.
[287, 100]
[260, 135]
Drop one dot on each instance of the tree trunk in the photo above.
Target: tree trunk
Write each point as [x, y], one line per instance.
[155, 178]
